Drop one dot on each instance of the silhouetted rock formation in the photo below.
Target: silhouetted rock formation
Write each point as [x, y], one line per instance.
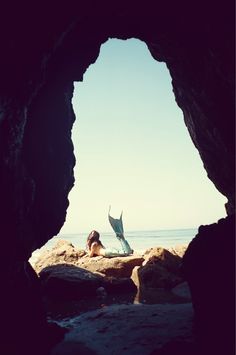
[208, 265]
[43, 50]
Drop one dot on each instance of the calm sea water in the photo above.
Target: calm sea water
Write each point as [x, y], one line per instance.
[138, 240]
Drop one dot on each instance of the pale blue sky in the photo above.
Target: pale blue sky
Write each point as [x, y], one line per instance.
[133, 149]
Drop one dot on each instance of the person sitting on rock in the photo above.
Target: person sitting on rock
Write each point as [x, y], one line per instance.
[96, 248]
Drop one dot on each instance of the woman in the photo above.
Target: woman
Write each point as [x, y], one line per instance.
[96, 248]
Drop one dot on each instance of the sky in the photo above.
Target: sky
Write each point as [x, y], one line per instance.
[133, 150]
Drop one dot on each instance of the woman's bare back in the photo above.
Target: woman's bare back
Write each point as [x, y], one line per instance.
[96, 250]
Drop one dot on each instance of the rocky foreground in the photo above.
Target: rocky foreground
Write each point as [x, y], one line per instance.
[67, 273]
[155, 309]
[131, 330]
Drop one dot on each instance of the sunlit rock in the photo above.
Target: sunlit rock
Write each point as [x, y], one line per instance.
[62, 252]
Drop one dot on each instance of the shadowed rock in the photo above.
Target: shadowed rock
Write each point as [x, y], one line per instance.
[160, 269]
[129, 329]
[66, 281]
[69, 282]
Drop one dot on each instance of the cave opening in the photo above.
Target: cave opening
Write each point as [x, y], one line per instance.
[37, 155]
[133, 150]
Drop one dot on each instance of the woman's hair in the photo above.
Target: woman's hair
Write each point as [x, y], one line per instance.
[93, 237]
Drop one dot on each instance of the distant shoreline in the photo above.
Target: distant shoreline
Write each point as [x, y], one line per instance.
[130, 231]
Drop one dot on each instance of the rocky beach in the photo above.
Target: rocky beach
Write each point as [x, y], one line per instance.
[139, 304]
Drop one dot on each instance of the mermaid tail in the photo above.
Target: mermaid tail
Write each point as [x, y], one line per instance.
[125, 246]
[117, 226]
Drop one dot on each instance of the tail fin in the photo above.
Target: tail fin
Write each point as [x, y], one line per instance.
[117, 224]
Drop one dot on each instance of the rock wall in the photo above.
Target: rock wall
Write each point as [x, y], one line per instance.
[43, 50]
[209, 267]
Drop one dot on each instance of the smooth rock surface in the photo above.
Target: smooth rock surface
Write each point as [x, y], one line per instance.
[128, 329]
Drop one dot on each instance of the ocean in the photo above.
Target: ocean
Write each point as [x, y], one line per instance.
[138, 240]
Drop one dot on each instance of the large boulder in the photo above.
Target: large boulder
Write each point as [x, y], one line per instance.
[116, 267]
[62, 252]
[64, 281]
[69, 282]
[154, 276]
[164, 258]
[160, 269]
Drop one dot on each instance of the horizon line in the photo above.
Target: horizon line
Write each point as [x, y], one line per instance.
[133, 230]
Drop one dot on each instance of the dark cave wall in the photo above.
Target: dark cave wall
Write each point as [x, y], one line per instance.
[199, 78]
[43, 51]
[209, 267]
[48, 156]
[203, 84]
[47, 146]
[40, 64]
